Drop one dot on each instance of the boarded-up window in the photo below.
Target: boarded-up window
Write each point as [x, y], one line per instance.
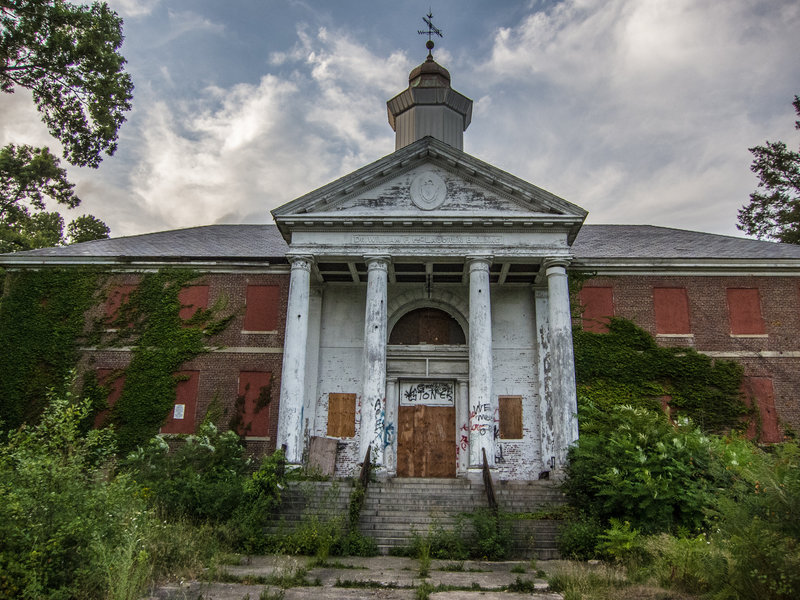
[761, 391]
[117, 296]
[744, 310]
[671, 307]
[192, 299]
[510, 417]
[181, 418]
[255, 394]
[109, 379]
[427, 326]
[261, 310]
[341, 415]
[598, 306]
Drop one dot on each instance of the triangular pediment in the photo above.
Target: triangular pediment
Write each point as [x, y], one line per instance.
[431, 180]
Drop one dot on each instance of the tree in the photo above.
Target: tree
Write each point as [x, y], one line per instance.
[774, 213]
[68, 57]
[29, 177]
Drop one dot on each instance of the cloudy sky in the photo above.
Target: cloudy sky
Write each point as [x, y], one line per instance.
[640, 111]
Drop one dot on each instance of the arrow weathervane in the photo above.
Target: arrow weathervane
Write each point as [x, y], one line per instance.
[432, 30]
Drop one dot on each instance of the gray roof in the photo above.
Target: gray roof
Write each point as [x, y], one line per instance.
[235, 242]
[649, 241]
[260, 242]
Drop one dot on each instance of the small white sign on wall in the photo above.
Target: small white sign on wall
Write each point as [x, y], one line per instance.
[177, 414]
[428, 393]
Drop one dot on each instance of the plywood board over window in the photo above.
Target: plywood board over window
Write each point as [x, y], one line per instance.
[261, 308]
[113, 381]
[181, 418]
[510, 417]
[255, 393]
[117, 297]
[671, 306]
[192, 299]
[744, 310]
[761, 391]
[341, 415]
[598, 308]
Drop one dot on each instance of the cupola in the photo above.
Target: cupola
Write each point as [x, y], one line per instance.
[429, 107]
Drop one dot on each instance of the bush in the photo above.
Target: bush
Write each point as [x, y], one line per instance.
[578, 539]
[63, 517]
[758, 527]
[203, 479]
[638, 467]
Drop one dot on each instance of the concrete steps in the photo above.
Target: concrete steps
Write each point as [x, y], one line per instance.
[395, 510]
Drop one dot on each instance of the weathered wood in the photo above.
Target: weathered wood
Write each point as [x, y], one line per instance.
[426, 441]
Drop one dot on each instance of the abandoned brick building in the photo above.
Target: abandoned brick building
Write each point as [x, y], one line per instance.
[419, 307]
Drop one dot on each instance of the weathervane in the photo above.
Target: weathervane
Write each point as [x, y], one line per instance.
[432, 30]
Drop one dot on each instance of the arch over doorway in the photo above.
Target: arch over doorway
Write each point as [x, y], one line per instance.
[427, 325]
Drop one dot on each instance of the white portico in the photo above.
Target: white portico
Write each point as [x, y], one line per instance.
[428, 315]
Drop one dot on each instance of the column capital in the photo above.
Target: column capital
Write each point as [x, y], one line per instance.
[300, 261]
[380, 261]
[556, 264]
[478, 261]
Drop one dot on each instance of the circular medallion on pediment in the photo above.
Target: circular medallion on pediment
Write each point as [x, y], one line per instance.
[428, 190]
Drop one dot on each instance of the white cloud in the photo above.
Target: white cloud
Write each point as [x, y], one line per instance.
[642, 110]
[133, 8]
[237, 153]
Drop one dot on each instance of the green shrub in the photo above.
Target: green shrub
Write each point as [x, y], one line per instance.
[261, 497]
[621, 543]
[203, 478]
[492, 535]
[638, 467]
[62, 515]
[688, 564]
[578, 539]
[758, 527]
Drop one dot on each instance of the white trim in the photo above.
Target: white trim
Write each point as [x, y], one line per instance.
[675, 335]
[751, 353]
[215, 349]
[750, 335]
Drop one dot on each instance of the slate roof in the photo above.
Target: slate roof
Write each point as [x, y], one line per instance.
[264, 242]
[649, 241]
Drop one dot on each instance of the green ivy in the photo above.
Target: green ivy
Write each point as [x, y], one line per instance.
[627, 366]
[150, 322]
[42, 327]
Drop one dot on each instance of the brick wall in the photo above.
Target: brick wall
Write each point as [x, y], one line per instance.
[234, 350]
[711, 328]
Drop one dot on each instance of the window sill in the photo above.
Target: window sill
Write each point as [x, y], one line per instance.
[675, 335]
[256, 438]
[248, 332]
[749, 335]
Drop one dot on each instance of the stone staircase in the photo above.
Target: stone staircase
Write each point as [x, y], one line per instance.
[395, 509]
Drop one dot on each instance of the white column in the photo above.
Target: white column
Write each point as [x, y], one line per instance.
[481, 403]
[373, 398]
[562, 361]
[290, 418]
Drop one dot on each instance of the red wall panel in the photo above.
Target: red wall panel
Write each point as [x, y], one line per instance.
[114, 386]
[181, 418]
[744, 311]
[117, 296]
[261, 310]
[671, 306]
[255, 418]
[192, 299]
[598, 306]
[761, 391]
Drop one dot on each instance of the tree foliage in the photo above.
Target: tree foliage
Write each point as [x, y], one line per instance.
[68, 57]
[774, 209]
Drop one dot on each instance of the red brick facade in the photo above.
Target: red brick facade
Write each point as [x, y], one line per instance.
[234, 351]
[754, 320]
